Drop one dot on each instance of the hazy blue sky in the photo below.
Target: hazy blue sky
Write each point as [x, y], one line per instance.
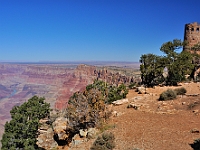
[88, 30]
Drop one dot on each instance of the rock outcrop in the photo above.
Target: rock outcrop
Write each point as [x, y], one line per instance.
[60, 136]
[141, 90]
[120, 102]
[63, 133]
[84, 75]
[45, 136]
[55, 82]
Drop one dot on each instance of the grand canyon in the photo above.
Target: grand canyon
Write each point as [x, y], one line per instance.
[55, 82]
[146, 127]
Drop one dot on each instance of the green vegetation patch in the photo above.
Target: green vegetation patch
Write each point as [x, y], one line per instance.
[170, 68]
[89, 106]
[21, 131]
[104, 142]
[180, 91]
[167, 95]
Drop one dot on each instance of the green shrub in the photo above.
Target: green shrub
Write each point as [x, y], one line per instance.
[104, 142]
[167, 95]
[22, 130]
[180, 91]
[116, 93]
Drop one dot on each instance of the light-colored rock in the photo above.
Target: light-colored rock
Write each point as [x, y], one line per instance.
[196, 111]
[77, 140]
[141, 90]
[83, 132]
[183, 103]
[164, 104]
[194, 130]
[91, 133]
[59, 127]
[116, 114]
[134, 105]
[119, 114]
[120, 102]
[45, 137]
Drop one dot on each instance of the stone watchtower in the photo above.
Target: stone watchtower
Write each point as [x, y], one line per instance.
[191, 35]
[192, 38]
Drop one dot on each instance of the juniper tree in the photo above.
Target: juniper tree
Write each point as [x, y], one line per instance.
[21, 131]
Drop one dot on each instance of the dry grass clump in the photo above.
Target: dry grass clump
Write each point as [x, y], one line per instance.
[104, 142]
[167, 95]
[180, 91]
[171, 94]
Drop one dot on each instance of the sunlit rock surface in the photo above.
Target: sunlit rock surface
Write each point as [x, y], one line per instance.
[55, 82]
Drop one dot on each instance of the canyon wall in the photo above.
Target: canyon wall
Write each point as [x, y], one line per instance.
[55, 82]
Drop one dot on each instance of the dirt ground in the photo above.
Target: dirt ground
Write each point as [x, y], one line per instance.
[156, 125]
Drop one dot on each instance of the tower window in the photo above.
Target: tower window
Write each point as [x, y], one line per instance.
[192, 29]
[197, 29]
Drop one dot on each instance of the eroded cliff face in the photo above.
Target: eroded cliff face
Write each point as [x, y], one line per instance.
[76, 81]
[84, 75]
[55, 82]
[19, 82]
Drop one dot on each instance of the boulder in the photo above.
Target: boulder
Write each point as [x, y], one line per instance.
[134, 106]
[116, 114]
[194, 130]
[91, 133]
[183, 103]
[45, 136]
[196, 111]
[77, 140]
[83, 132]
[120, 102]
[59, 127]
[141, 90]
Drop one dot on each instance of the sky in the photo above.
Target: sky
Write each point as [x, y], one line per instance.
[90, 30]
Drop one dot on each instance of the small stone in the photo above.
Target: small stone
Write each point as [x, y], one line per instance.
[164, 104]
[114, 113]
[120, 102]
[141, 90]
[195, 111]
[194, 131]
[83, 132]
[183, 103]
[134, 106]
[119, 114]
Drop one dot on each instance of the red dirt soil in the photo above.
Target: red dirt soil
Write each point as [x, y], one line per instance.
[158, 125]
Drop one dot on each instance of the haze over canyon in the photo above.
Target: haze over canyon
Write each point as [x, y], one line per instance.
[55, 82]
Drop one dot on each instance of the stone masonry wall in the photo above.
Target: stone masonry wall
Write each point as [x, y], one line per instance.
[191, 35]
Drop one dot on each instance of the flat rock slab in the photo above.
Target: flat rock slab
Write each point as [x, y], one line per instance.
[120, 102]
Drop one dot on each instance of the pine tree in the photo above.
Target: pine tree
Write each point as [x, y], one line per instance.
[21, 131]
